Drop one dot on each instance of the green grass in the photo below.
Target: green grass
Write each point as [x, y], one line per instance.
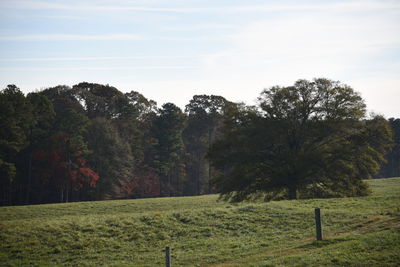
[361, 231]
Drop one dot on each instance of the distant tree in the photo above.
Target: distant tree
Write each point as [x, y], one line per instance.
[110, 156]
[42, 117]
[168, 128]
[140, 184]
[134, 127]
[61, 167]
[309, 136]
[205, 118]
[140, 105]
[391, 168]
[63, 98]
[15, 121]
[100, 100]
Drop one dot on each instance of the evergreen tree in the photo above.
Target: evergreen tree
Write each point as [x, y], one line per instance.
[15, 121]
[168, 129]
[39, 132]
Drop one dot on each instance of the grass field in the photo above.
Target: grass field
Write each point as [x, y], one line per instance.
[361, 231]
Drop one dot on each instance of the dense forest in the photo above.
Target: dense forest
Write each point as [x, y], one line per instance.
[93, 142]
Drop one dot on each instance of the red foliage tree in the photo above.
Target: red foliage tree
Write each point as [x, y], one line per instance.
[63, 166]
[143, 184]
[82, 175]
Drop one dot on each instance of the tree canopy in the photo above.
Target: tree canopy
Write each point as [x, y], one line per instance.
[312, 137]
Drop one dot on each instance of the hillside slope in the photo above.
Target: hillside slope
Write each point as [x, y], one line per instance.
[203, 232]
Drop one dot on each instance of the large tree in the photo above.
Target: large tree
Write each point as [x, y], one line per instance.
[310, 136]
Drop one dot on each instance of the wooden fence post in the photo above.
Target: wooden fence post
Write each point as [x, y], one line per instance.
[318, 225]
[167, 257]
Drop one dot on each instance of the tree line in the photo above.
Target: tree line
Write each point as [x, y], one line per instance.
[93, 142]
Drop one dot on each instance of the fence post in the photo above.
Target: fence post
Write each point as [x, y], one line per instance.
[318, 223]
[167, 257]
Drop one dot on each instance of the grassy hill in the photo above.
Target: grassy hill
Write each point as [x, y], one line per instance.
[203, 232]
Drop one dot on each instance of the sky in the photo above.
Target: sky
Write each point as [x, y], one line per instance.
[172, 50]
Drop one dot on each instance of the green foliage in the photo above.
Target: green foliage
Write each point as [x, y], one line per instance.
[110, 156]
[7, 172]
[391, 168]
[357, 232]
[205, 117]
[339, 188]
[15, 122]
[307, 136]
[42, 118]
[168, 128]
[100, 100]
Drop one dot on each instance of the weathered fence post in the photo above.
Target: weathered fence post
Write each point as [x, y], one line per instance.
[167, 257]
[318, 225]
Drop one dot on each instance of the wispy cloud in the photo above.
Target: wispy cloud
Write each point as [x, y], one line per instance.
[71, 37]
[106, 37]
[98, 68]
[59, 17]
[38, 59]
[55, 6]
[199, 27]
[349, 5]
[358, 5]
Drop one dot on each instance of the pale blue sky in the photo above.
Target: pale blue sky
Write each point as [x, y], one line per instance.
[172, 50]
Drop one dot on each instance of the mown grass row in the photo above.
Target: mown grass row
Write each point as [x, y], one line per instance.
[203, 231]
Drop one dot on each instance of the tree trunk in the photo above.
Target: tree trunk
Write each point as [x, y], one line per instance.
[209, 178]
[28, 190]
[198, 173]
[292, 189]
[208, 163]
[169, 184]
[10, 193]
[4, 196]
[67, 193]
